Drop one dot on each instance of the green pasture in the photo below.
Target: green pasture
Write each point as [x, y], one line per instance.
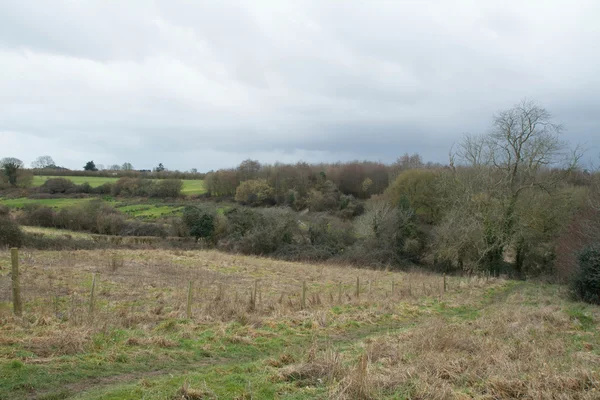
[190, 187]
[54, 203]
[94, 181]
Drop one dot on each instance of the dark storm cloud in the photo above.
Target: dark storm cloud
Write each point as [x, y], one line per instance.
[207, 84]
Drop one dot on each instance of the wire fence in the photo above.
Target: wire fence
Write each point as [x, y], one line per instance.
[130, 291]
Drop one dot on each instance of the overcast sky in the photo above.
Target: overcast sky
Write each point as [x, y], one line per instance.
[206, 84]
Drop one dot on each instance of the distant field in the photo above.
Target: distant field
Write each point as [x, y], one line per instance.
[53, 232]
[190, 187]
[150, 211]
[94, 181]
[55, 203]
[144, 211]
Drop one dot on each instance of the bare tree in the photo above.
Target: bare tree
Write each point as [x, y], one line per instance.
[523, 152]
[43, 162]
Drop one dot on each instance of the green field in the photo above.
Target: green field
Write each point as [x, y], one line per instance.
[138, 339]
[141, 210]
[54, 203]
[190, 187]
[150, 211]
[94, 181]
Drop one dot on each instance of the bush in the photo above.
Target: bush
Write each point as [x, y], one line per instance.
[10, 233]
[132, 187]
[201, 223]
[166, 188]
[56, 185]
[109, 223]
[585, 285]
[4, 210]
[106, 188]
[38, 216]
[136, 228]
[260, 233]
[255, 192]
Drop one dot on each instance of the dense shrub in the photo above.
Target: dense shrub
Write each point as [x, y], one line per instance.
[37, 215]
[350, 207]
[260, 233]
[132, 187]
[109, 223]
[146, 188]
[56, 185]
[421, 188]
[10, 233]
[106, 188]
[166, 188]
[585, 285]
[137, 228]
[200, 222]
[4, 210]
[239, 221]
[221, 183]
[255, 192]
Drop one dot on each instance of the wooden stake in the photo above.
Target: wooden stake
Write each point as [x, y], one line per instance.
[16, 284]
[339, 292]
[93, 294]
[188, 311]
[357, 287]
[303, 299]
[445, 284]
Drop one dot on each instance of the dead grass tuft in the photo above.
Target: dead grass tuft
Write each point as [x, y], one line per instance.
[324, 367]
[185, 392]
[157, 341]
[283, 360]
[59, 343]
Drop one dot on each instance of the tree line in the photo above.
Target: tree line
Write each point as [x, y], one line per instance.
[511, 201]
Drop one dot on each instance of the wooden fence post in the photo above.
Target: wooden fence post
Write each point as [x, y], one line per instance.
[255, 293]
[188, 311]
[16, 284]
[445, 284]
[357, 287]
[339, 292]
[303, 299]
[93, 294]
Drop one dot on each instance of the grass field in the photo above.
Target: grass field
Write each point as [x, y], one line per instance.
[94, 181]
[53, 232]
[251, 335]
[55, 203]
[190, 187]
[148, 210]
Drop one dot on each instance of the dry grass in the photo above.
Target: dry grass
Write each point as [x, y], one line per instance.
[142, 288]
[512, 351]
[526, 345]
[320, 367]
[188, 393]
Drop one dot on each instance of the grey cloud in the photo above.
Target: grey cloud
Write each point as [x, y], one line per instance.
[207, 84]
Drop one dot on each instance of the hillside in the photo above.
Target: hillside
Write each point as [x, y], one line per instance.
[252, 334]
